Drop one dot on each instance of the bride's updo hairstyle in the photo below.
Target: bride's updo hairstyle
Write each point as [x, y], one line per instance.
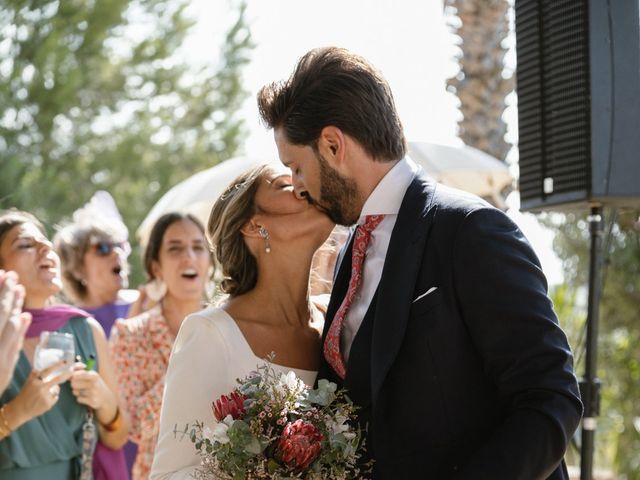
[229, 214]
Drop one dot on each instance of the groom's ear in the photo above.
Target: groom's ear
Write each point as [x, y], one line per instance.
[332, 146]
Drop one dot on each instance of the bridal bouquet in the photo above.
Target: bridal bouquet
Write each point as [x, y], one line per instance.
[275, 427]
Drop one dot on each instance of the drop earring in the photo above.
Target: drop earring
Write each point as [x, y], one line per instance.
[156, 289]
[264, 234]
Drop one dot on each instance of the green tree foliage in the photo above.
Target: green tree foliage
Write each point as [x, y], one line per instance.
[97, 95]
[618, 435]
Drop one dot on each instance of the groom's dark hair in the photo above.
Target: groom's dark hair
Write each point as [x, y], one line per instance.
[334, 87]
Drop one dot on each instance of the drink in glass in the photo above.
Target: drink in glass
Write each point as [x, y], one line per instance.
[51, 349]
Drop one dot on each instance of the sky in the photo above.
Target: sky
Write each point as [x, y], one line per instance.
[408, 40]
[405, 39]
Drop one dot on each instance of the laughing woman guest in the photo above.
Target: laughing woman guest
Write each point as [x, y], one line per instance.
[42, 418]
[177, 261]
[93, 251]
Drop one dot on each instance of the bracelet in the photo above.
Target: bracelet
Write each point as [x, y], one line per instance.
[5, 429]
[114, 424]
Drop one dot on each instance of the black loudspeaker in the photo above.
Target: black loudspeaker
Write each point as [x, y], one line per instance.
[578, 86]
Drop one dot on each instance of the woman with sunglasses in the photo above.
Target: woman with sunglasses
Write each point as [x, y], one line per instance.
[94, 268]
[94, 252]
[178, 262]
[48, 426]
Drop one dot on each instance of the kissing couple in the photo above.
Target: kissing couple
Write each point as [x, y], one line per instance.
[439, 325]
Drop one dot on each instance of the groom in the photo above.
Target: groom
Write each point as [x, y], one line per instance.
[439, 324]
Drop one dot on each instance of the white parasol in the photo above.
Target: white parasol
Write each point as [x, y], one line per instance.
[197, 194]
[465, 168]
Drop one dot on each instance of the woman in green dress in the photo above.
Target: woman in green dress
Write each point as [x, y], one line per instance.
[49, 423]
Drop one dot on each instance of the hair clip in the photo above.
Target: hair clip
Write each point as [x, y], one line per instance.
[233, 189]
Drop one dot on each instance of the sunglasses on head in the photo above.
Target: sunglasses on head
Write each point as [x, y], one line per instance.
[104, 248]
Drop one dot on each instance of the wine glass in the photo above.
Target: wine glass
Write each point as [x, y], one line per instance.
[52, 348]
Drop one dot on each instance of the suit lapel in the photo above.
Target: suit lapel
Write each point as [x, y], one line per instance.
[401, 267]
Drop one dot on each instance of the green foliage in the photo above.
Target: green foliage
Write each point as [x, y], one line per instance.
[97, 96]
[618, 435]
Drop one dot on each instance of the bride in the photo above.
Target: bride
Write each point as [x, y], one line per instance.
[264, 238]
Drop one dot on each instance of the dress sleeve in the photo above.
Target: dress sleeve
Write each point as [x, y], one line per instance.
[196, 376]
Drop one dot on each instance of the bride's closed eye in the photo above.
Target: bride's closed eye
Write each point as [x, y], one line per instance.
[283, 182]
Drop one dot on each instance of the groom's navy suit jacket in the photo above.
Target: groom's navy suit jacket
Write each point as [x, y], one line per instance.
[475, 379]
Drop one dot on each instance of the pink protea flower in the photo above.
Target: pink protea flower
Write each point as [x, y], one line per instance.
[232, 405]
[299, 445]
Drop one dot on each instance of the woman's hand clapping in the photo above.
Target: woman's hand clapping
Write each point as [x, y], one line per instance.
[13, 324]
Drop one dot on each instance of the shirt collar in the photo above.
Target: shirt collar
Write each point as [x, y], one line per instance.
[386, 198]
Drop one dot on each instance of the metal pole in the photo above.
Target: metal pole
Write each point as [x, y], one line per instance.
[590, 384]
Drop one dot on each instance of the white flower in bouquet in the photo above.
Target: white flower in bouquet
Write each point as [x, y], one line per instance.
[219, 433]
[290, 384]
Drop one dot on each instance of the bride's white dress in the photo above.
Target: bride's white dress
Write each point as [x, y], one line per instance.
[209, 354]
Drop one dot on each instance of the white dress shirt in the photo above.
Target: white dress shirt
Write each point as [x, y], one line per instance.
[385, 199]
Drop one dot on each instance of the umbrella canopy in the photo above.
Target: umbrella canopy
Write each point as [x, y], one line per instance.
[465, 168]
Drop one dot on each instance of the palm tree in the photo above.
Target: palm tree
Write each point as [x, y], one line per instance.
[482, 27]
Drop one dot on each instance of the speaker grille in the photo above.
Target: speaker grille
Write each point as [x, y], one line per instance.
[553, 97]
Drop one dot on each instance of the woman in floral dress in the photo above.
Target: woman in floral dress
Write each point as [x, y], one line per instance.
[178, 264]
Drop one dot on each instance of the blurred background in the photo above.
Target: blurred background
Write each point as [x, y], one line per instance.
[135, 96]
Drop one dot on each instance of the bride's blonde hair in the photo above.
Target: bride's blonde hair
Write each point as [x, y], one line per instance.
[229, 214]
